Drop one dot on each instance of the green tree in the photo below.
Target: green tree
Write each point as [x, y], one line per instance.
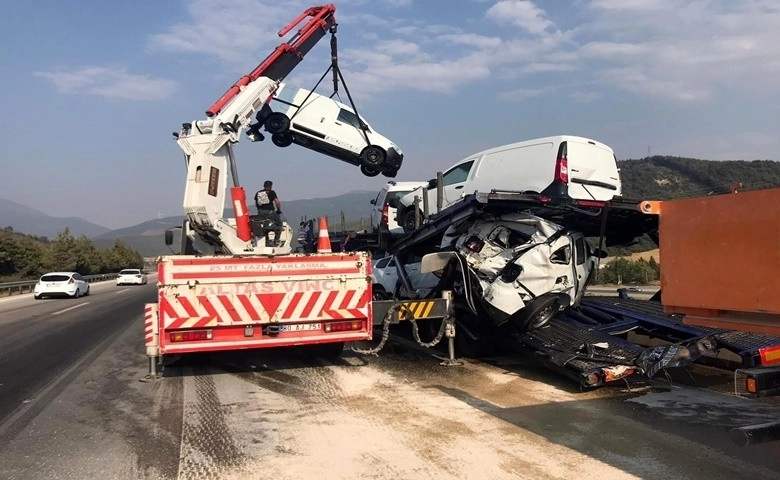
[88, 258]
[121, 256]
[63, 252]
[21, 256]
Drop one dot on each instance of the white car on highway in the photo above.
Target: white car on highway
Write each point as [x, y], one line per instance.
[61, 284]
[131, 276]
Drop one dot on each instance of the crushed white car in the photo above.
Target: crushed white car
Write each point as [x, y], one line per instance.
[319, 123]
[516, 268]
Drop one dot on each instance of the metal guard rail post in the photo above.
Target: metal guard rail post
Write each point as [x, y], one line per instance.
[10, 288]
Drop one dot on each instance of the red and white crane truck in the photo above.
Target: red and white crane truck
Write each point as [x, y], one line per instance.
[240, 292]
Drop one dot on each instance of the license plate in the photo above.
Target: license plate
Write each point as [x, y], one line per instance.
[300, 327]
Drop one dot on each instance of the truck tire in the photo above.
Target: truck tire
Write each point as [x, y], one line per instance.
[408, 221]
[373, 156]
[537, 313]
[277, 122]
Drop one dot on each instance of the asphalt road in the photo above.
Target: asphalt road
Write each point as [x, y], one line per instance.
[73, 408]
[43, 343]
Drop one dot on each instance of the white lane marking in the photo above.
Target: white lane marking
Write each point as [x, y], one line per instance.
[123, 290]
[70, 308]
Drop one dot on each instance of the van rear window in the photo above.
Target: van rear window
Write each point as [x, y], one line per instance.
[392, 198]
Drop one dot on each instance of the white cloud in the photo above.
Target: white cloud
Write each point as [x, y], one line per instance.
[520, 13]
[471, 40]
[684, 51]
[522, 94]
[110, 82]
[378, 73]
[665, 49]
[585, 97]
[229, 29]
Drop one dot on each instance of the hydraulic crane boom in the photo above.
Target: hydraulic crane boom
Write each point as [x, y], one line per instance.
[288, 55]
[208, 146]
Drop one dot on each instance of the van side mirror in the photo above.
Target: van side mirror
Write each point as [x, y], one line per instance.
[432, 183]
[373, 201]
[169, 237]
[599, 253]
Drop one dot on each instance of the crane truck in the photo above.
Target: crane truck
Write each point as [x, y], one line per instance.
[240, 291]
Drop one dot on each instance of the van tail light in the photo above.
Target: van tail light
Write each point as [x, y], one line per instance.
[562, 170]
[71, 281]
[384, 214]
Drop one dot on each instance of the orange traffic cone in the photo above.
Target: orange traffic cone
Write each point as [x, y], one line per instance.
[323, 242]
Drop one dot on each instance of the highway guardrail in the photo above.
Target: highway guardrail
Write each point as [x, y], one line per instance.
[11, 288]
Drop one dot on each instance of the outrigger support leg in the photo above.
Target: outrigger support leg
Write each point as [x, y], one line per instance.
[449, 331]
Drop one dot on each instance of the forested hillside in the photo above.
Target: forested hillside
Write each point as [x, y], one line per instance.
[24, 257]
[662, 178]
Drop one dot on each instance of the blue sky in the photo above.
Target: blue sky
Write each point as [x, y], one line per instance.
[92, 89]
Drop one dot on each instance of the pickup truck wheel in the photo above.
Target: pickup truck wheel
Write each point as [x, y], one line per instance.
[369, 171]
[277, 122]
[373, 156]
[408, 222]
[537, 313]
[282, 139]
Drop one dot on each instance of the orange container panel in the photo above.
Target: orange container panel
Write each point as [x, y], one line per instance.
[720, 260]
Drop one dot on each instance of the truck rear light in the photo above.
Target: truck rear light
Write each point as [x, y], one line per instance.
[343, 326]
[562, 170]
[758, 381]
[191, 336]
[751, 386]
[384, 214]
[474, 244]
[769, 355]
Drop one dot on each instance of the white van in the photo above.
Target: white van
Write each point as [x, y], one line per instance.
[559, 166]
[383, 215]
[319, 123]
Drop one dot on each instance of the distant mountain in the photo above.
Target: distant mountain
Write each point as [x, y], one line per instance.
[662, 178]
[148, 237]
[33, 222]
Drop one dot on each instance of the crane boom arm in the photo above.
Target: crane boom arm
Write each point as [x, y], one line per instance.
[286, 56]
[208, 144]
